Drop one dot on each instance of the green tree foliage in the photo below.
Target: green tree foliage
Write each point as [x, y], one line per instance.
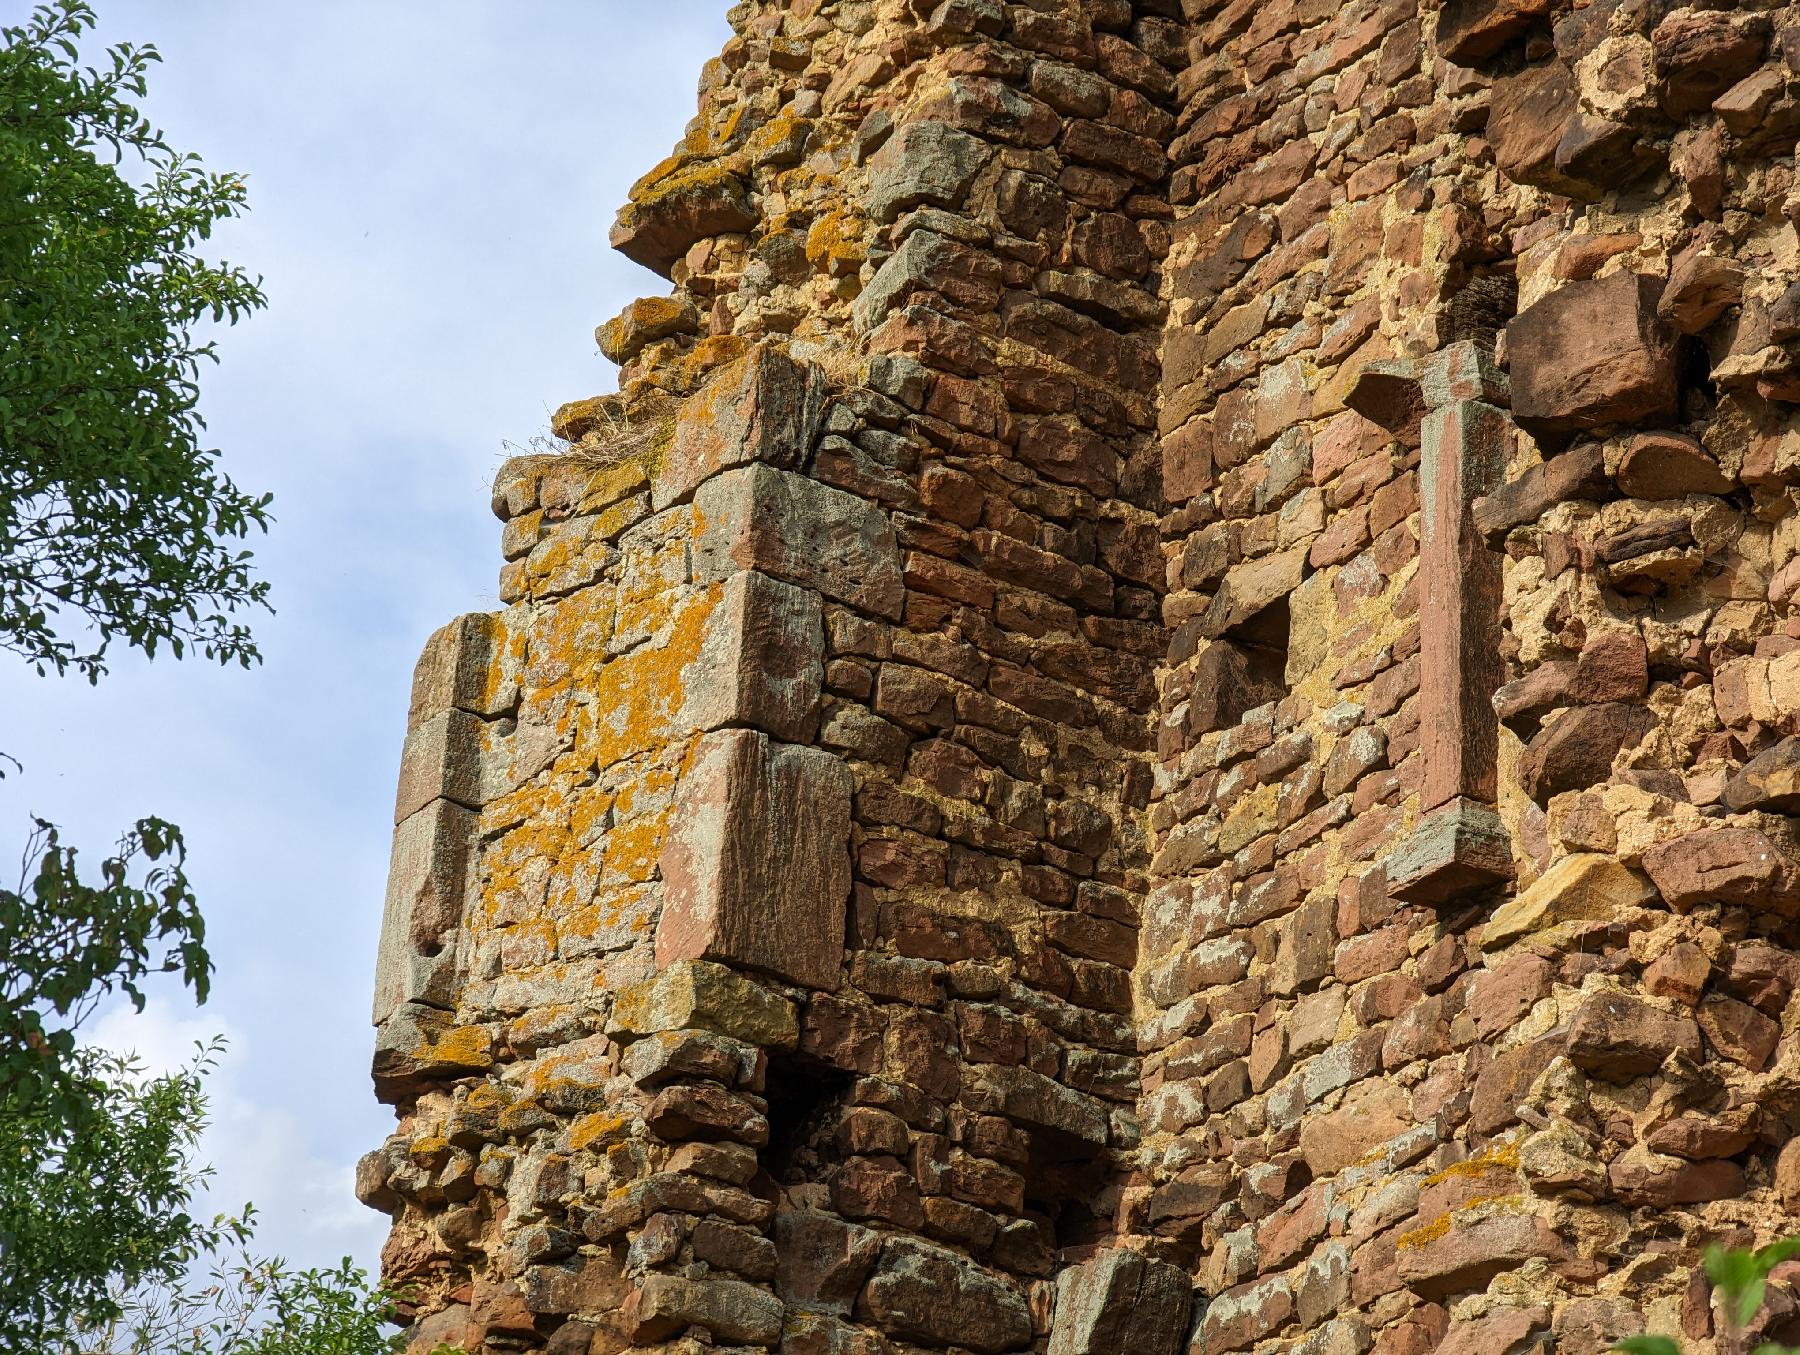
[66, 945]
[115, 525]
[1739, 1278]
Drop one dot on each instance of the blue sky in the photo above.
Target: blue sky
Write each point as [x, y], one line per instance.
[431, 184]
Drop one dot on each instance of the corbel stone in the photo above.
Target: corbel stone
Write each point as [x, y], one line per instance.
[1464, 431]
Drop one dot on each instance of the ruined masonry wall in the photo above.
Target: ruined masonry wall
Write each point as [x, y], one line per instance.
[1161, 719]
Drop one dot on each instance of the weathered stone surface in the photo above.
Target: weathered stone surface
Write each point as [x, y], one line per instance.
[1458, 848]
[756, 867]
[1232, 679]
[1593, 353]
[428, 882]
[1042, 1104]
[1584, 885]
[1701, 53]
[760, 518]
[442, 757]
[924, 164]
[710, 997]
[1669, 466]
[1531, 112]
[1701, 288]
[764, 408]
[1578, 749]
[1769, 781]
[1368, 1119]
[1470, 31]
[1121, 1301]
[645, 321]
[1727, 865]
[1618, 1038]
[462, 667]
[1644, 1178]
[1579, 473]
[666, 1305]
[760, 661]
[416, 1045]
[1452, 1253]
[668, 215]
[823, 1261]
[926, 1293]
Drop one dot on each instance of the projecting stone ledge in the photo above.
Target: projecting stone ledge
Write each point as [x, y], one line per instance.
[1458, 848]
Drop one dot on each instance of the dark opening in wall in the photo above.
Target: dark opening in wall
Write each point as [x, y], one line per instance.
[1244, 668]
[806, 1099]
[1482, 308]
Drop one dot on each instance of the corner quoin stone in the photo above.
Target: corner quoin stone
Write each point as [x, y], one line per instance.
[757, 517]
[756, 867]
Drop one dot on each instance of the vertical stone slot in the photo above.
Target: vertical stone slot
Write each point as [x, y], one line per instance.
[805, 1099]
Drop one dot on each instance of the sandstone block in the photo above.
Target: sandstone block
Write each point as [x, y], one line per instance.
[1470, 31]
[1121, 1301]
[1578, 748]
[693, 994]
[822, 1261]
[1230, 680]
[921, 1292]
[1669, 466]
[1593, 353]
[1368, 1119]
[765, 407]
[669, 215]
[756, 865]
[1531, 113]
[441, 758]
[1457, 848]
[461, 669]
[428, 881]
[1618, 1038]
[417, 1045]
[736, 1312]
[1452, 1254]
[1040, 1103]
[1725, 865]
[924, 164]
[1769, 781]
[1585, 885]
[761, 660]
[1641, 1177]
[760, 518]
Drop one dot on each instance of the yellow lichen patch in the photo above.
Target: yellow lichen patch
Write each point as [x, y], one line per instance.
[835, 243]
[461, 1046]
[641, 693]
[1422, 1237]
[632, 848]
[1500, 1158]
[599, 1129]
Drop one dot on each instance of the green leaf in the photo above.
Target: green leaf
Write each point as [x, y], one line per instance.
[1648, 1345]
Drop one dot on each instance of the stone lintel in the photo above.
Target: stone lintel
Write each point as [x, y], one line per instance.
[1459, 848]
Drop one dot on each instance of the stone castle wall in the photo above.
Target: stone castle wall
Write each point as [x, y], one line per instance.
[1161, 719]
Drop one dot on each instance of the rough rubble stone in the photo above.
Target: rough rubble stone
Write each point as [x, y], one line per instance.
[1592, 354]
[925, 1293]
[1121, 1301]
